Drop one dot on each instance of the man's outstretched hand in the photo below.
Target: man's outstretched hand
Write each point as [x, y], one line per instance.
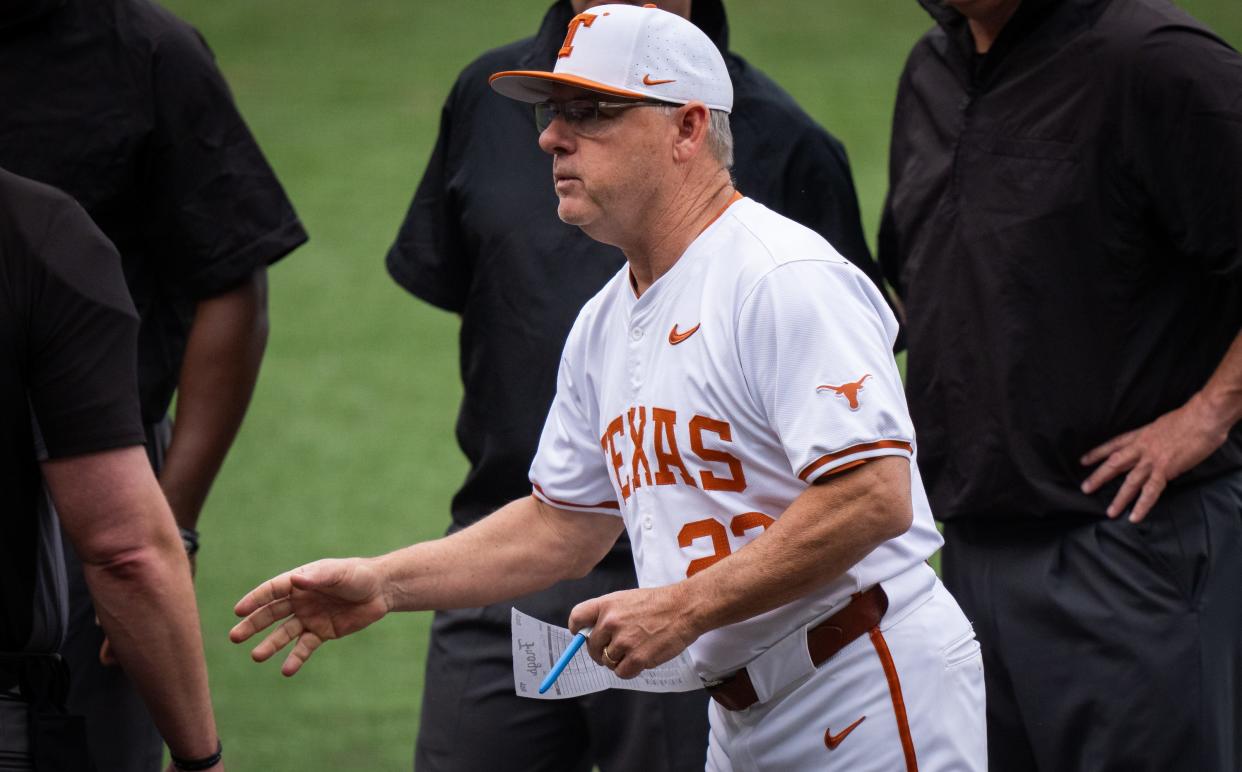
[314, 603]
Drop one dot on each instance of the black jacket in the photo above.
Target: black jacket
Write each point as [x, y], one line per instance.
[482, 239]
[120, 104]
[1064, 223]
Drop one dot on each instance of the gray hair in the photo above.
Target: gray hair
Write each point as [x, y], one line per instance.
[720, 138]
[719, 135]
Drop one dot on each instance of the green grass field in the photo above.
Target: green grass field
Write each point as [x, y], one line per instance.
[348, 448]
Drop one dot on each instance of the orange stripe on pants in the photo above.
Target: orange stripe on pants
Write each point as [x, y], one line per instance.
[899, 702]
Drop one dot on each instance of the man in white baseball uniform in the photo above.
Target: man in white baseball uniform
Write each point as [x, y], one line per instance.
[731, 400]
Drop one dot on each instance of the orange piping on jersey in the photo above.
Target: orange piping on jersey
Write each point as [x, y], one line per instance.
[863, 448]
[601, 505]
[737, 196]
[899, 702]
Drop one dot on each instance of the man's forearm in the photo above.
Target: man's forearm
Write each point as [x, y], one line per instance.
[523, 547]
[218, 375]
[830, 527]
[111, 508]
[1223, 391]
[165, 660]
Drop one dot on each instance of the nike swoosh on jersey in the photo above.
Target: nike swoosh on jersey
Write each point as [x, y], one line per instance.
[649, 81]
[675, 337]
[833, 740]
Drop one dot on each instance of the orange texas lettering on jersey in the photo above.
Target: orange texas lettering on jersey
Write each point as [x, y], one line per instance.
[657, 458]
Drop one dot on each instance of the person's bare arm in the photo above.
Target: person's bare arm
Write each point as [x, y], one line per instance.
[831, 526]
[525, 546]
[1155, 454]
[218, 375]
[113, 512]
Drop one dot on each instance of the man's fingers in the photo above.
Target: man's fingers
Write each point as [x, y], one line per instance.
[279, 638]
[585, 614]
[1129, 489]
[629, 668]
[273, 589]
[1095, 455]
[1152, 489]
[321, 573]
[305, 647]
[1115, 464]
[260, 619]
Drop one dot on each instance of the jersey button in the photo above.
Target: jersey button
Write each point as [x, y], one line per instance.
[647, 523]
[637, 333]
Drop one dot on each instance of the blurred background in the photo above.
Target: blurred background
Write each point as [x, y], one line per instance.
[348, 448]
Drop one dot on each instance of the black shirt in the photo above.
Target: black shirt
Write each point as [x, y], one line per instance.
[68, 334]
[120, 104]
[1064, 224]
[482, 238]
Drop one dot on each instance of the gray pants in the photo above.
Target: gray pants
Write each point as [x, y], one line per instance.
[120, 732]
[1109, 645]
[472, 720]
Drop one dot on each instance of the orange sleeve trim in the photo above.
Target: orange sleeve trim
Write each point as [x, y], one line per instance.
[823, 461]
[899, 702]
[559, 503]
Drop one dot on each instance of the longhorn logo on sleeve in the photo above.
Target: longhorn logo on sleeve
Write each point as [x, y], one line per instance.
[847, 390]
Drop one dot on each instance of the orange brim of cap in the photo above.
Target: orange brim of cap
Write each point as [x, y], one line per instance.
[536, 85]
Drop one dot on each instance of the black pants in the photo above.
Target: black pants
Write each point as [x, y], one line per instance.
[1109, 645]
[472, 720]
[14, 734]
[119, 729]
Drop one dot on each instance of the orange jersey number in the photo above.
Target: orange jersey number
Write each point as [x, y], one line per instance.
[713, 529]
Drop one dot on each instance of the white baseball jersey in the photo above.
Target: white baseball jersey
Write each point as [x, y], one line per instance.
[761, 362]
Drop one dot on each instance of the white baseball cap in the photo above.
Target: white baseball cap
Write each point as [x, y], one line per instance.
[633, 52]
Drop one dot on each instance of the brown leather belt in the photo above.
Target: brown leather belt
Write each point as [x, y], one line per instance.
[860, 615]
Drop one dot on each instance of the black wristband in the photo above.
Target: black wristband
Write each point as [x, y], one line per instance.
[194, 765]
[189, 540]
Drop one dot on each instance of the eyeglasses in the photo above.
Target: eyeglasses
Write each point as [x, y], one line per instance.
[587, 117]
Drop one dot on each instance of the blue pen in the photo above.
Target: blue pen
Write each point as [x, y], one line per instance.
[559, 667]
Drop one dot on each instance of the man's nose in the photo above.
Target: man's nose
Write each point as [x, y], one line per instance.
[557, 138]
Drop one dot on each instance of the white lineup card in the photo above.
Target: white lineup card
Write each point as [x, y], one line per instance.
[537, 645]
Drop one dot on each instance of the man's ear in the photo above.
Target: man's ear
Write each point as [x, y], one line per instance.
[691, 120]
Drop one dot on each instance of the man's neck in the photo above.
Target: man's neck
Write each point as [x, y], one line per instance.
[672, 226]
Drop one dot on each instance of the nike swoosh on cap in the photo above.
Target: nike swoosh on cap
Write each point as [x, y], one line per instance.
[649, 81]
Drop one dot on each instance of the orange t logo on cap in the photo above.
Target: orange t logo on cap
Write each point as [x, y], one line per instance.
[581, 20]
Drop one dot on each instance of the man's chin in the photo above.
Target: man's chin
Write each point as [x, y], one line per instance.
[572, 214]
